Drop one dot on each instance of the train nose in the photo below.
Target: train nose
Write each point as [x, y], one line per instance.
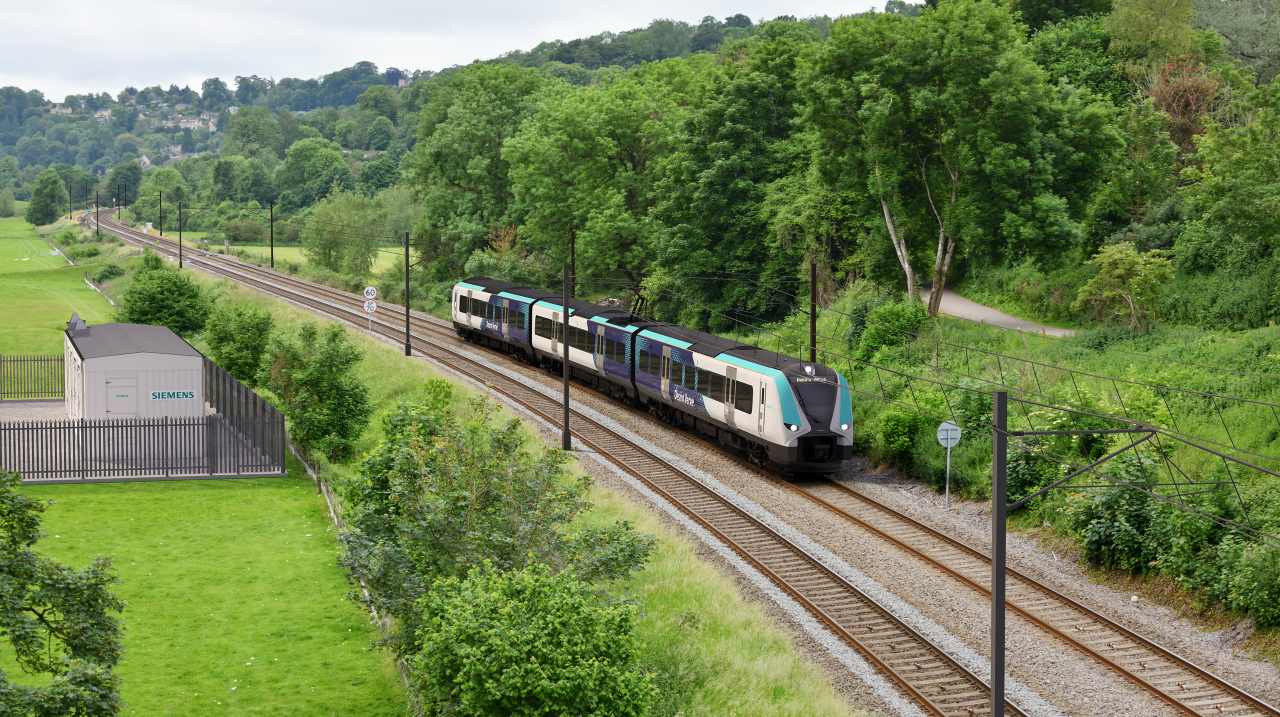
[818, 448]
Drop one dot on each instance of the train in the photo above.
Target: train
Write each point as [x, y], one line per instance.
[792, 415]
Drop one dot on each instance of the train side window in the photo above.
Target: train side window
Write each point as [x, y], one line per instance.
[743, 399]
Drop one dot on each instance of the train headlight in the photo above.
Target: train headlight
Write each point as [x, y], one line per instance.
[792, 427]
[844, 426]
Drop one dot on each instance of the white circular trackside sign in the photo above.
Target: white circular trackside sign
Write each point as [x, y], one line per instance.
[370, 293]
[370, 306]
[948, 434]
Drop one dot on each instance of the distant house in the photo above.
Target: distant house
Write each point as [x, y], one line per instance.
[144, 161]
[60, 109]
[102, 116]
[232, 109]
[174, 151]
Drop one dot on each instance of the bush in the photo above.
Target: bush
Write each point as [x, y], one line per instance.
[527, 642]
[1112, 527]
[245, 231]
[327, 406]
[891, 325]
[163, 296]
[238, 336]
[1254, 583]
[8, 207]
[107, 272]
[898, 430]
[85, 251]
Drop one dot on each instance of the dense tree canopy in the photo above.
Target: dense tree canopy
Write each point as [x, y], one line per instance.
[48, 199]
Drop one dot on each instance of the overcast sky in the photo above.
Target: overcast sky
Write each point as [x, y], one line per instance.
[75, 46]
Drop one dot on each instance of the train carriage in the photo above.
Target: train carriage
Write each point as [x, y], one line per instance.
[788, 412]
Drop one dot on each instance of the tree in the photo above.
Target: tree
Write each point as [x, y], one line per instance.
[1250, 28]
[311, 374]
[1078, 50]
[166, 185]
[342, 234]
[237, 335]
[312, 169]
[457, 165]
[7, 208]
[1127, 285]
[165, 297]
[1039, 13]
[214, 95]
[1151, 31]
[253, 132]
[48, 198]
[527, 643]
[585, 165]
[380, 100]
[947, 128]
[60, 622]
[381, 133]
[379, 173]
[737, 143]
[123, 182]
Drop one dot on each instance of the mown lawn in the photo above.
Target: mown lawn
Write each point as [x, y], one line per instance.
[712, 652]
[38, 292]
[235, 604]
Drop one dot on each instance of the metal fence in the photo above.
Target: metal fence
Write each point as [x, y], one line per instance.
[31, 378]
[241, 434]
[132, 448]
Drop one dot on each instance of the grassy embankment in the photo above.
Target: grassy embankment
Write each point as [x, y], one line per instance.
[713, 652]
[39, 290]
[234, 601]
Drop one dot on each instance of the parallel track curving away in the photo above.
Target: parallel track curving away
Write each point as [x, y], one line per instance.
[925, 673]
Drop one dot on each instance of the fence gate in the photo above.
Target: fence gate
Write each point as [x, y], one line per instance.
[29, 378]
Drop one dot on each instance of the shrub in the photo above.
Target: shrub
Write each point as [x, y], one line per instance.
[898, 430]
[444, 493]
[1254, 584]
[162, 296]
[245, 231]
[327, 406]
[238, 336]
[891, 325]
[1127, 287]
[107, 272]
[1112, 526]
[7, 204]
[1029, 469]
[527, 642]
[86, 251]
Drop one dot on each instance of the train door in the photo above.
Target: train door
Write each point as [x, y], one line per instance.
[760, 419]
[730, 393]
[599, 348]
[666, 371]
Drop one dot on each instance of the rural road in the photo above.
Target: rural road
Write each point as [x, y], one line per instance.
[956, 305]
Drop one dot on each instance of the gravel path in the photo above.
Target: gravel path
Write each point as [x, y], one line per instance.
[956, 305]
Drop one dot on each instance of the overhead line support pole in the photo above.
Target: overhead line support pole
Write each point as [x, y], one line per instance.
[813, 311]
[408, 350]
[271, 229]
[179, 235]
[97, 230]
[566, 441]
[161, 213]
[999, 507]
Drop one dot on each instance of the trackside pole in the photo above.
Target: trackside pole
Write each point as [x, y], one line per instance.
[408, 350]
[999, 506]
[813, 311]
[566, 441]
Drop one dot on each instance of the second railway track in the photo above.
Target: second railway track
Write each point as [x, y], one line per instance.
[941, 685]
[935, 681]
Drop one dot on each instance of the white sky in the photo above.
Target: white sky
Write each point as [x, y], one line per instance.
[75, 46]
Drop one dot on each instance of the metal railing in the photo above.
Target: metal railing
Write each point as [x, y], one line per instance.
[31, 377]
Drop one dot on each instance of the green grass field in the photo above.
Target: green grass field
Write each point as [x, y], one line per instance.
[39, 290]
[713, 653]
[294, 253]
[235, 604]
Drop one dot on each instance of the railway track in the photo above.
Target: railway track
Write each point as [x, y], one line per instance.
[925, 673]
[1156, 669]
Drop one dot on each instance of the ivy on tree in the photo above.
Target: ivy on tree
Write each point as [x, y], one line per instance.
[60, 622]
